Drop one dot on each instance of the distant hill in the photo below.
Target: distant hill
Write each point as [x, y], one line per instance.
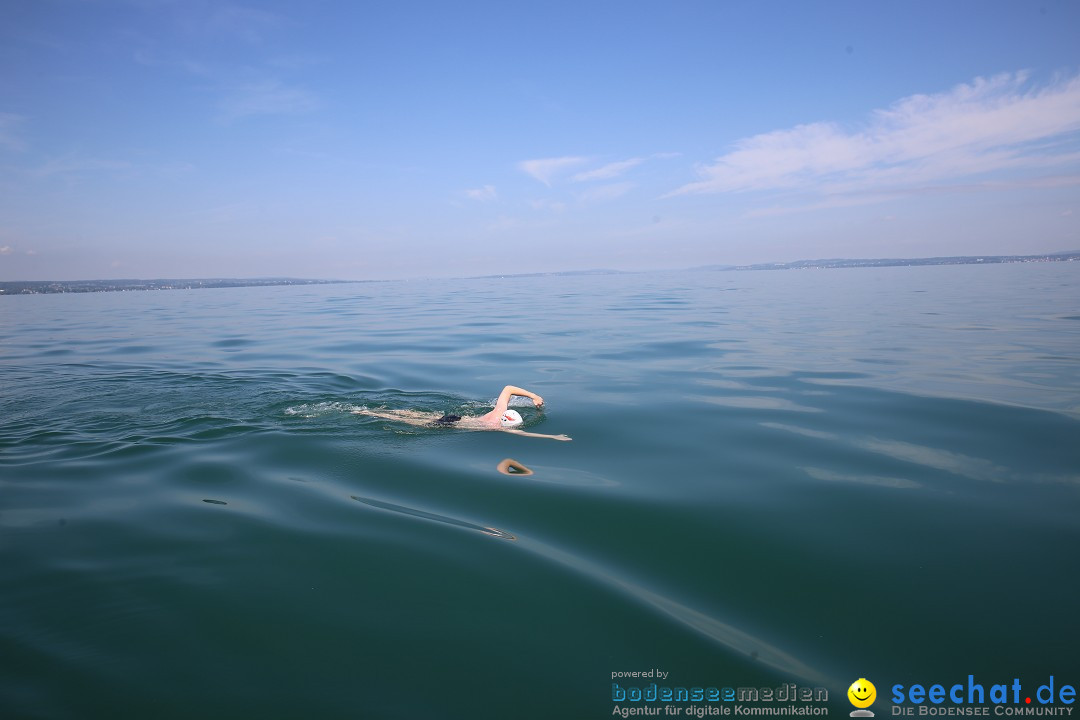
[902, 262]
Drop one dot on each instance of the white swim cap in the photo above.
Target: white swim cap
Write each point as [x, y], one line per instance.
[511, 418]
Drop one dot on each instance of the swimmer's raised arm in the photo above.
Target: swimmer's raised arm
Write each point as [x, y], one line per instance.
[509, 391]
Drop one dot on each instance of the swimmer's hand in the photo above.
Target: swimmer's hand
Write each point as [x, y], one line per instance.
[538, 401]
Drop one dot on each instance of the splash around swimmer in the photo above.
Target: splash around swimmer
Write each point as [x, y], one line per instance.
[501, 418]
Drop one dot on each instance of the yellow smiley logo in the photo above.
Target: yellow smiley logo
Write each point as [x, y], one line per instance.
[862, 693]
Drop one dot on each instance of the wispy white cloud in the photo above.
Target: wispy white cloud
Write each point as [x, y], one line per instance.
[841, 195]
[175, 168]
[483, 194]
[548, 170]
[9, 250]
[71, 165]
[552, 206]
[148, 54]
[545, 169]
[248, 23]
[267, 97]
[990, 125]
[242, 91]
[10, 127]
[219, 19]
[607, 172]
[297, 62]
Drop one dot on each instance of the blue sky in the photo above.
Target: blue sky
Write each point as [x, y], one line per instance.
[353, 140]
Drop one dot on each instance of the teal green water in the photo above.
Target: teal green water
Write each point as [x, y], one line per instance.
[775, 477]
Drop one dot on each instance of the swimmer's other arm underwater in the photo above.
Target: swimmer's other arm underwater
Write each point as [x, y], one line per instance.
[501, 418]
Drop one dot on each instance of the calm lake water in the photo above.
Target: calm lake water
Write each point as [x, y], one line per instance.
[775, 477]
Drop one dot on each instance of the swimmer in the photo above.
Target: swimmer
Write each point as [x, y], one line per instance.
[501, 418]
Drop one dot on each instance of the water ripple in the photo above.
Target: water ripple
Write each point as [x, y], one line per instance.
[434, 517]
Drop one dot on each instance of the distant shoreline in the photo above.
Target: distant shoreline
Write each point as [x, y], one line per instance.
[51, 287]
[48, 287]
